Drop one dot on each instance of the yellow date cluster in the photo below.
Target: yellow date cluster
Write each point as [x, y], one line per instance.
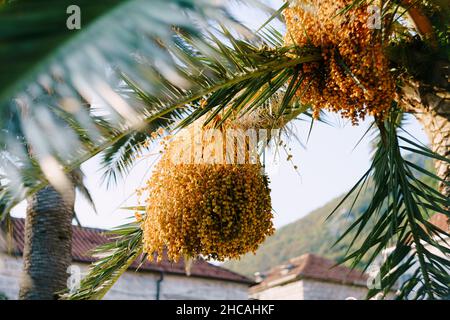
[218, 211]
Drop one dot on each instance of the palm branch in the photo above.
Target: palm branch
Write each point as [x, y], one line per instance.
[64, 82]
[227, 75]
[397, 218]
[115, 258]
[244, 77]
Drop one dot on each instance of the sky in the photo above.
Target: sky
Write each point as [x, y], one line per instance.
[328, 166]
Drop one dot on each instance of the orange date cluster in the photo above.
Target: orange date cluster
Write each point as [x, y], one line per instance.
[353, 78]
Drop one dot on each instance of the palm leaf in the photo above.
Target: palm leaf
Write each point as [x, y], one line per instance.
[397, 218]
[63, 82]
[66, 85]
[114, 258]
[227, 75]
[239, 78]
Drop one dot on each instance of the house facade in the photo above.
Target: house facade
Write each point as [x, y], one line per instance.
[152, 281]
[310, 277]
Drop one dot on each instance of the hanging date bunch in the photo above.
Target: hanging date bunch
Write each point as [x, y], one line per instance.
[353, 78]
[200, 204]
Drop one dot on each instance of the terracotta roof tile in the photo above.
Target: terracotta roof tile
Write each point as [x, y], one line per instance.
[310, 266]
[441, 221]
[86, 239]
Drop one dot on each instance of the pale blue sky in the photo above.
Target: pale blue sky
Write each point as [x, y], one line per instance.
[326, 168]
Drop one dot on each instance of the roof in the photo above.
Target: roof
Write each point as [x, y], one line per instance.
[86, 239]
[441, 221]
[310, 266]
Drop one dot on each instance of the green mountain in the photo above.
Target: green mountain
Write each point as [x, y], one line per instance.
[310, 234]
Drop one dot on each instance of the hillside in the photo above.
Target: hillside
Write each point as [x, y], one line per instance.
[310, 234]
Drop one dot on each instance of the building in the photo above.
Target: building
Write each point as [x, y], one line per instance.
[163, 280]
[310, 277]
[441, 221]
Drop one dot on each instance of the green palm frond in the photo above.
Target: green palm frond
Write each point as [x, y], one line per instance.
[397, 218]
[241, 75]
[210, 68]
[239, 78]
[78, 180]
[35, 33]
[114, 258]
[60, 82]
[118, 158]
[235, 68]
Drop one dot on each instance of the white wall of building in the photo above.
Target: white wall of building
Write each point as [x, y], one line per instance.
[142, 286]
[10, 273]
[137, 285]
[319, 290]
[307, 289]
[289, 291]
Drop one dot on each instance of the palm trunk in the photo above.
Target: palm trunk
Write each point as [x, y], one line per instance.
[48, 244]
[431, 106]
[431, 103]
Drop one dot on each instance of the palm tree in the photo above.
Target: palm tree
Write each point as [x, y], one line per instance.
[48, 239]
[244, 76]
[48, 244]
[50, 211]
[432, 109]
[427, 96]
